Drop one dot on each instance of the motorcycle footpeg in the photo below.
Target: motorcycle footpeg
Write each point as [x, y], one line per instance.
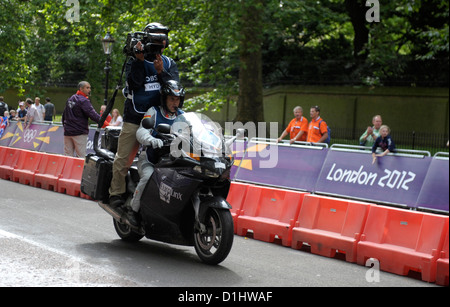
[120, 215]
[116, 213]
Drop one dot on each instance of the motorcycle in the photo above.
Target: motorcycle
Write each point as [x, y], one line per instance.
[184, 201]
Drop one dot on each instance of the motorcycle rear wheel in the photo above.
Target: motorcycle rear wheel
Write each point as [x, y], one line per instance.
[214, 245]
[126, 233]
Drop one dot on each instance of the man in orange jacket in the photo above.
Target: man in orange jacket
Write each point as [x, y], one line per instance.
[318, 128]
[297, 128]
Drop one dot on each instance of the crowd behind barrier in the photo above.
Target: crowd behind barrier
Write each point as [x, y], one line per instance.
[276, 193]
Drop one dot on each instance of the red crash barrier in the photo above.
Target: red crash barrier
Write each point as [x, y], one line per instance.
[236, 197]
[49, 171]
[269, 212]
[442, 265]
[2, 154]
[10, 156]
[26, 167]
[403, 240]
[70, 180]
[329, 225]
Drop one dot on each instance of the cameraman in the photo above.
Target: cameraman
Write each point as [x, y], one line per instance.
[147, 73]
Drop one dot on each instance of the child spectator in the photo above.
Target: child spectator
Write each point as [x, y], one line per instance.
[12, 114]
[22, 113]
[384, 141]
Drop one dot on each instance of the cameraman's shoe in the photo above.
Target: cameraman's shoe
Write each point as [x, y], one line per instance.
[116, 201]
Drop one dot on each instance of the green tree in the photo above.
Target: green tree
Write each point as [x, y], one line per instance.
[231, 49]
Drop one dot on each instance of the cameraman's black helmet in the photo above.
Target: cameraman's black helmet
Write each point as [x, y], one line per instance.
[172, 88]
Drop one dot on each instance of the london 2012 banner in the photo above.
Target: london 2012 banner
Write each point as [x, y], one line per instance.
[407, 180]
[391, 179]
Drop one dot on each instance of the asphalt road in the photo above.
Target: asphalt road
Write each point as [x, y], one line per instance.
[52, 239]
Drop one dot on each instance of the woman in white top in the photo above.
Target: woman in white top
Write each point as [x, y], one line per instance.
[116, 120]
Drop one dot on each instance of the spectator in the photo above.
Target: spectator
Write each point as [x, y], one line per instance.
[12, 114]
[371, 133]
[32, 114]
[385, 142]
[297, 128]
[49, 110]
[116, 120]
[108, 118]
[22, 113]
[75, 120]
[318, 128]
[39, 107]
[3, 106]
[4, 122]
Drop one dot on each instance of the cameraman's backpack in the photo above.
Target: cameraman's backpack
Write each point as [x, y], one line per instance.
[329, 133]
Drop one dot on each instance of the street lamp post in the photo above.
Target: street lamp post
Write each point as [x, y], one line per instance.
[107, 42]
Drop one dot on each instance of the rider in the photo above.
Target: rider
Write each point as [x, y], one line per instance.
[172, 99]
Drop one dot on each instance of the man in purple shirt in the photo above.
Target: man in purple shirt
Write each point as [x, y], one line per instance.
[75, 120]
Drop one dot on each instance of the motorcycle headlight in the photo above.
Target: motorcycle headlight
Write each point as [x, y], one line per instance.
[211, 173]
[205, 172]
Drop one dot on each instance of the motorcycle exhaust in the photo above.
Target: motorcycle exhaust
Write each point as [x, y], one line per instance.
[120, 216]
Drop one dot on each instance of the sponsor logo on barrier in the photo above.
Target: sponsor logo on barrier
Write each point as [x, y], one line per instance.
[29, 135]
[392, 179]
[32, 137]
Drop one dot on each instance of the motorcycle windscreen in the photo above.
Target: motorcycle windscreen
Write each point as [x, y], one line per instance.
[166, 204]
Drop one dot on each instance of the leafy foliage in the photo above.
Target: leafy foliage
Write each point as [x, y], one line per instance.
[302, 42]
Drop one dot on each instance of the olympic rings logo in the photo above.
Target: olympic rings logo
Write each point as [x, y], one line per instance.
[29, 135]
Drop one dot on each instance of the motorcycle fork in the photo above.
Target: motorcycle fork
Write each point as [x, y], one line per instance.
[199, 226]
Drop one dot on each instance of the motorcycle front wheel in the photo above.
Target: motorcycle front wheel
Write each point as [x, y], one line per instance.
[214, 244]
[126, 233]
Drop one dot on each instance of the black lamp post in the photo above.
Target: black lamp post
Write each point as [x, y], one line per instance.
[107, 42]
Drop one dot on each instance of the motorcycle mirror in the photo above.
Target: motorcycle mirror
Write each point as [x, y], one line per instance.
[148, 122]
[163, 128]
